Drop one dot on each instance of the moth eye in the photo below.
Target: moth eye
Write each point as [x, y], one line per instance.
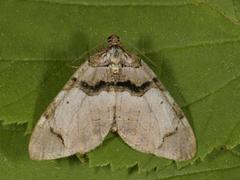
[110, 38]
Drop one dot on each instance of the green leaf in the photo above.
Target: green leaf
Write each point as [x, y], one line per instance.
[224, 7]
[123, 156]
[195, 45]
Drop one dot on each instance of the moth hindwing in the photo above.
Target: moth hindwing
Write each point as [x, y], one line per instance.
[113, 90]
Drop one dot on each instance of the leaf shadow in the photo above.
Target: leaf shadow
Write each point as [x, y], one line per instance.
[55, 76]
[46, 92]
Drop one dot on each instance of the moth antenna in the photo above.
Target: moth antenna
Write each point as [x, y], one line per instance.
[102, 46]
[140, 52]
[73, 66]
[89, 51]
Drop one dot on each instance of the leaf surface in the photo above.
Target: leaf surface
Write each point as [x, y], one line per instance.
[195, 45]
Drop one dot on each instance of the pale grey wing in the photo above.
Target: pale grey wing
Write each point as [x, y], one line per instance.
[153, 123]
[74, 122]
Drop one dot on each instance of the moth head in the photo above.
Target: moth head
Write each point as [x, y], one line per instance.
[113, 39]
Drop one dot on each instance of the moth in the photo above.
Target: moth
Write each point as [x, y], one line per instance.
[113, 90]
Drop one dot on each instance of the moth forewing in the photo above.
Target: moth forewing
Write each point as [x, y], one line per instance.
[113, 90]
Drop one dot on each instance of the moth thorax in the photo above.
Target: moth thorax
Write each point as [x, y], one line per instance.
[115, 63]
[115, 69]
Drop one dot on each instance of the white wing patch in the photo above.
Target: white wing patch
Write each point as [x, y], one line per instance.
[113, 90]
[149, 125]
[77, 127]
